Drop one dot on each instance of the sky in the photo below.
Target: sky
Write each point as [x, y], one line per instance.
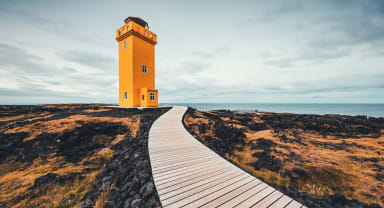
[297, 51]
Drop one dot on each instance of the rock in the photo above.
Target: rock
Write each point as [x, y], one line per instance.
[124, 171]
[128, 171]
[140, 164]
[144, 176]
[135, 203]
[300, 172]
[153, 202]
[68, 199]
[149, 189]
[69, 176]
[106, 178]
[87, 162]
[127, 203]
[44, 180]
[289, 128]
[137, 196]
[135, 185]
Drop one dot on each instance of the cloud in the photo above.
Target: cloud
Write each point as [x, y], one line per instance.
[323, 30]
[90, 59]
[192, 67]
[10, 55]
[305, 56]
[221, 51]
[203, 55]
[34, 19]
[265, 51]
[21, 61]
[32, 79]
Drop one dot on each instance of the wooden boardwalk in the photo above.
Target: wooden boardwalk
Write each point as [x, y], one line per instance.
[188, 174]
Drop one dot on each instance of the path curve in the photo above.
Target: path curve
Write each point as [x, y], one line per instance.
[188, 174]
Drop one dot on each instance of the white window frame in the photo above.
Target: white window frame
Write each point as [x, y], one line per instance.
[152, 96]
[125, 44]
[144, 69]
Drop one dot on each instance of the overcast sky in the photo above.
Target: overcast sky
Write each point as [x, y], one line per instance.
[208, 51]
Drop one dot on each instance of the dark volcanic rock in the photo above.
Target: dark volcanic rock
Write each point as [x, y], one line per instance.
[52, 178]
[44, 180]
[338, 125]
[126, 176]
[288, 127]
[9, 143]
[257, 126]
[128, 173]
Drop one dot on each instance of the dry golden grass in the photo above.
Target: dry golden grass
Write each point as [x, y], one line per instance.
[70, 123]
[17, 178]
[329, 169]
[102, 200]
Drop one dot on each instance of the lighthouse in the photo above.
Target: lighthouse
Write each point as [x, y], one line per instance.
[136, 64]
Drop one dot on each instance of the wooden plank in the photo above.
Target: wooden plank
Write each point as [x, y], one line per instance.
[244, 196]
[187, 170]
[165, 169]
[205, 198]
[256, 198]
[206, 192]
[167, 189]
[232, 194]
[175, 149]
[187, 173]
[187, 191]
[293, 204]
[180, 157]
[178, 154]
[191, 179]
[269, 200]
[182, 169]
[183, 162]
[282, 202]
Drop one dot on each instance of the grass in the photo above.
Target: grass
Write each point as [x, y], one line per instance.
[102, 200]
[329, 169]
[17, 177]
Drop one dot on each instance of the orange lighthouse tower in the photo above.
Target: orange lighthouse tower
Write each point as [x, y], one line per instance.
[136, 64]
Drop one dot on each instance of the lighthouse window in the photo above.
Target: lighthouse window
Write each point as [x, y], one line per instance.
[125, 95]
[125, 44]
[152, 96]
[144, 69]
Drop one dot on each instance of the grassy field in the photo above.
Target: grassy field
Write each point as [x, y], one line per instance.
[51, 155]
[325, 157]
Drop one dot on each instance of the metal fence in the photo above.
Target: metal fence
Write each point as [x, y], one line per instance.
[237, 110]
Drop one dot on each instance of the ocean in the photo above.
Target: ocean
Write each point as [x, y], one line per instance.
[375, 110]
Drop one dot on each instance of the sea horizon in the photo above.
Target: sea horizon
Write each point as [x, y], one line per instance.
[351, 109]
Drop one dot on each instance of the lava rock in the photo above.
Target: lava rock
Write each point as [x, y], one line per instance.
[44, 180]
